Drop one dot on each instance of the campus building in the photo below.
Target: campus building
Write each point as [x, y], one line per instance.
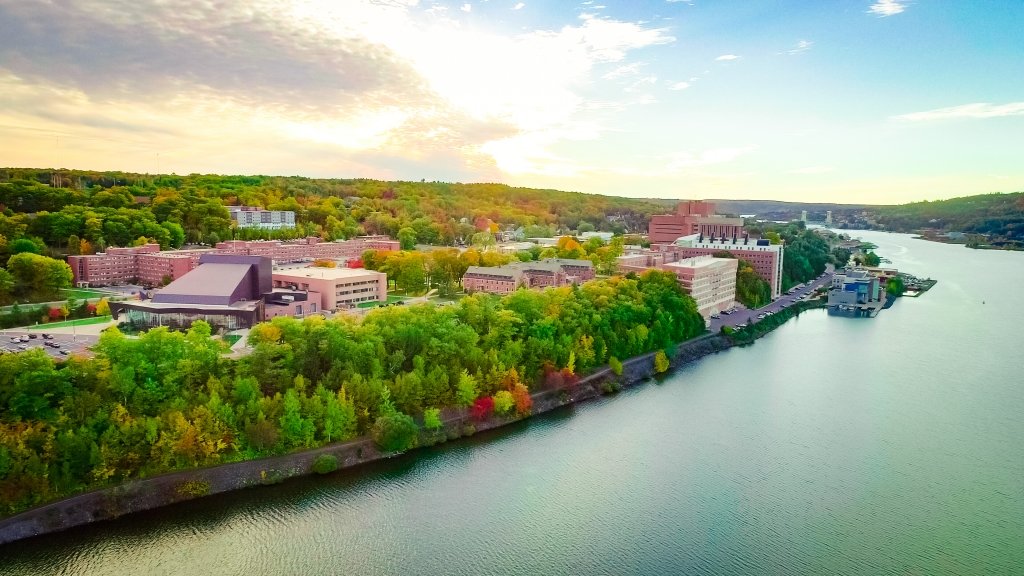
[253, 217]
[550, 272]
[766, 258]
[339, 288]
[855, 288]
[225, 291]
[692, 217]
[149, 266]
[710, 281]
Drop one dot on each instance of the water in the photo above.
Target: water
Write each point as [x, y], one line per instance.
[890, 445]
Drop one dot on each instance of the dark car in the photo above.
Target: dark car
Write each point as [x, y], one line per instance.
[33, 336]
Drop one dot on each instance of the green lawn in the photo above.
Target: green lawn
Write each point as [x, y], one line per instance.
[79, 322]
[83, 293]
[391, 298]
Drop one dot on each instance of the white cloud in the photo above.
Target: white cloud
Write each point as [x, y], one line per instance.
[884, 8]
[801, 46]
[679, 86]
[726, 58]
[519, 6]
[685, 160]
[975, 110]
[467, 8]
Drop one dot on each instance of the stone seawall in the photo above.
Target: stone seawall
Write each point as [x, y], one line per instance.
[148, 493]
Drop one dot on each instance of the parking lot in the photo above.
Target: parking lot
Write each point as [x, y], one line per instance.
[60, 346]
[744, 316]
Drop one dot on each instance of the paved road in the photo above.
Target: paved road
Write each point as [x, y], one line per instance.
[72, 344]
[745, 316]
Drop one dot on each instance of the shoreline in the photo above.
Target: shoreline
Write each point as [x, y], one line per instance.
[173, 487]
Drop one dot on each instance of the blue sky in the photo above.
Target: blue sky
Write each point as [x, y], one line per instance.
[878, 101]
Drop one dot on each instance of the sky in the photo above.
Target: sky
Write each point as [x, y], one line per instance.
[876, 101]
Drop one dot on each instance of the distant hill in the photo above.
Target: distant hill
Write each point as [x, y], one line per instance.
[1000, 216]
[761, 207]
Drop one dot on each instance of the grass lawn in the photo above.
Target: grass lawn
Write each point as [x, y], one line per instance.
[83, 293]
[391, 298]
[79, 322]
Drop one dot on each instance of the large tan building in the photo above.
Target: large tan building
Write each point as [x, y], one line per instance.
[339, 288]
[710, 281]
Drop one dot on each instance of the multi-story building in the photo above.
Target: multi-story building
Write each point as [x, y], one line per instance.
[110, 268]
[855, 288]
[766, 258]
[548, 272]
[710, 281]
[693, 217]
[253, 217]
[149, 266]
[339, 288]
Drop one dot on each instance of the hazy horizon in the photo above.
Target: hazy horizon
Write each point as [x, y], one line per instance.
[867, 102]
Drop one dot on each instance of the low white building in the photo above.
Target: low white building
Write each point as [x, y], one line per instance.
[710, 281]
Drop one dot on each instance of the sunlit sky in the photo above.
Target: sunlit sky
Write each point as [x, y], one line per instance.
[880, 101]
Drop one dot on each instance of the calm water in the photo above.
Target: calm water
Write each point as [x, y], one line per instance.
[886, 446]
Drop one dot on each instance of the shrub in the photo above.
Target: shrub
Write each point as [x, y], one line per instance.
[616, 365]
[504, 402]
[661, 362]
[194, 488]
[432, 418]
[395, 432]
[482, 408]
[524, 402]
[325, 464]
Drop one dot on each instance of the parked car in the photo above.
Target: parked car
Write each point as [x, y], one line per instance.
[33, 336]
[64, 352]
[22, 347]
[24, 338]
[47, 336]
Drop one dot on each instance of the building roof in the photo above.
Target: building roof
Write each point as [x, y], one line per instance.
[504, 271]
[211, 280]
[326, 273]
[700, 262]
[569, 262]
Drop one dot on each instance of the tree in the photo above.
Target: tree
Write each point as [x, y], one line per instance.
[395, 432]
[466, 391]
[103, 307]
[22, 245]
[407, 238]
[895, 286]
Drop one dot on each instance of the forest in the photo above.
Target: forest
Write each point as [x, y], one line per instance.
[1001, 216]
[80, 211]
[169, 400]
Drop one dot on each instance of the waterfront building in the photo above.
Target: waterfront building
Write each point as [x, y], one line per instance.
[253, 217]
[855, 287]
[550, 272]
[692, 217]
[766, 258]
[339, 288]
[710, 281]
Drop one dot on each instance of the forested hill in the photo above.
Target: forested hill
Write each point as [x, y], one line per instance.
[1000, 215]
[115, 208]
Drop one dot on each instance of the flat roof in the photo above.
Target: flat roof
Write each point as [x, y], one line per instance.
[325, 273]
[699, 262]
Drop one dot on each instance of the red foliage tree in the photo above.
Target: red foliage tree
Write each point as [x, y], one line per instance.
[524, 402]
[482, 408]
[55, 314]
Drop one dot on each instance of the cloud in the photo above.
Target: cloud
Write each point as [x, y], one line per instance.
[686, 160]
[975, 110]
[884, 8]
[519, 6]
[801, 46]
[467, 8]
[679, 86]
[726, 58]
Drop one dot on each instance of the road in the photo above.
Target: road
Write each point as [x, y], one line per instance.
[745, 316]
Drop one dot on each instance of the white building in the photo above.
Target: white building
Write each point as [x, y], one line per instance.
[251, 217]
